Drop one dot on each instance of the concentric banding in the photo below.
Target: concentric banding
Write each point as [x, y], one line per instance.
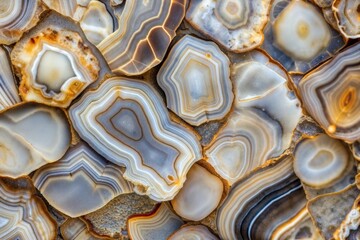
[200, 195]
[80, 182]
[126, 121]
[300, 31]
[196, 80]
[193, 232]
[235, 24]
[157, 225]
[298, 36]
[320, 161]
[31, 135]
[147, 30]
[246, 141]
[273, 190]
[331, 95]
[9, 95]
[347, 13]
[55, 64]
[16, 17]
[24, 215]
[261, 84]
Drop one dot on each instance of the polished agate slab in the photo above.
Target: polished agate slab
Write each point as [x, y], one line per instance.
[331, 94]
[157, 225]
[272, 190]
[147, 28]
[235, 24]
[347, 17]
[196, 80]
[54, 64]
[80, 182]
[193, 232]
[76, 229]
[31, 135]
[23, 214]
[298, 36]
[8, 90]
[16, 17]
[321, 160]
[199, 196]
[126, 121]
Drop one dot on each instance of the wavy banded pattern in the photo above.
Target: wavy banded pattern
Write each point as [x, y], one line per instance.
[298, 36]
[80, 182]
[157, 225]
[273, 190]
[31, 135]
[193, 232]
[24, 215]
[331, 95]
[55, 64]
[8, 90]
[235, 24]
[196, 80]
[16, 17]
[126, 121]
[246, 141]
[347, 17]
[147, 28]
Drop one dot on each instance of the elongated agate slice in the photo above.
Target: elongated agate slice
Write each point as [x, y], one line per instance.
[31, 135]
[147, 28]
[126, 121]
[298, 36]
[200, 195]
[273, 190]
[23, 214]
[81, 182]
[9, 95]
[246, 141]
[331, 94]
[55, 64]
[193, 232]
[321, 160]
[159, 224]
[16, 17]
[235, 24]
[347, 17]
[196, 80]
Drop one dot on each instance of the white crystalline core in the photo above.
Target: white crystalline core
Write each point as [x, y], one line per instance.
[53, 70]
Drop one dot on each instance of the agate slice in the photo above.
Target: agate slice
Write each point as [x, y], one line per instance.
[320, 161]
[81, 182]
[199, 196]
[54, 64]
[16, 17]
[75, 229]
[246, 141]
[196, 80]
[31, 135]
[8, 90]
[347, 14]
[193, 232]
[235, 24]
[299, 227]
[273, 190]
[328, 211]
[156, 225]
[331, 94]
[298, 36]
[350, 223]
[23, 214]
[147, 28]
[126, 121]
